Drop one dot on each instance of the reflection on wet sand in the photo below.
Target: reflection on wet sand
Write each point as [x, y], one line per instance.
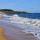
[17, 35]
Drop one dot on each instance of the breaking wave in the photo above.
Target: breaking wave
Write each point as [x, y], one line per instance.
[35, 22]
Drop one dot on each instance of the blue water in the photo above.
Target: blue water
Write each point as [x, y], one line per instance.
[29, 15]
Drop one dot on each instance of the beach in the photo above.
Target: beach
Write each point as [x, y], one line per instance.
[15, 33]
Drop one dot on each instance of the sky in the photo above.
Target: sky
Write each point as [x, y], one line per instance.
[21, 5]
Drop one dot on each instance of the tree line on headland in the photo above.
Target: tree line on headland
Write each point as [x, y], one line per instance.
[10, 11]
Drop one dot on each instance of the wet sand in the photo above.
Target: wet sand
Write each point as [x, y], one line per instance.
[18, 35]
[14, 33]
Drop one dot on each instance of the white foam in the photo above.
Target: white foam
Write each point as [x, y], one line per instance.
[22, 20]
[35, 22]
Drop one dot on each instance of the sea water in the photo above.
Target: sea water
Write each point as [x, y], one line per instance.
[25, 22]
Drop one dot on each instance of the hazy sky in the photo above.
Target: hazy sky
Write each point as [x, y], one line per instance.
[25, 5]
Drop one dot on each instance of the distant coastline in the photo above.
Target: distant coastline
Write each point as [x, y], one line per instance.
[10, 11]
[21, 13]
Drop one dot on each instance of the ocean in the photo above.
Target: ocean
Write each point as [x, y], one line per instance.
[29, 22]
[28, 15]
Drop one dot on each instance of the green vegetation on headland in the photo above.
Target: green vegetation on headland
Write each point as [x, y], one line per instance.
[10, 11]
[7, 11]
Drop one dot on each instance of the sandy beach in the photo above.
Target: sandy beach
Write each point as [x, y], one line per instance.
[14, 33]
